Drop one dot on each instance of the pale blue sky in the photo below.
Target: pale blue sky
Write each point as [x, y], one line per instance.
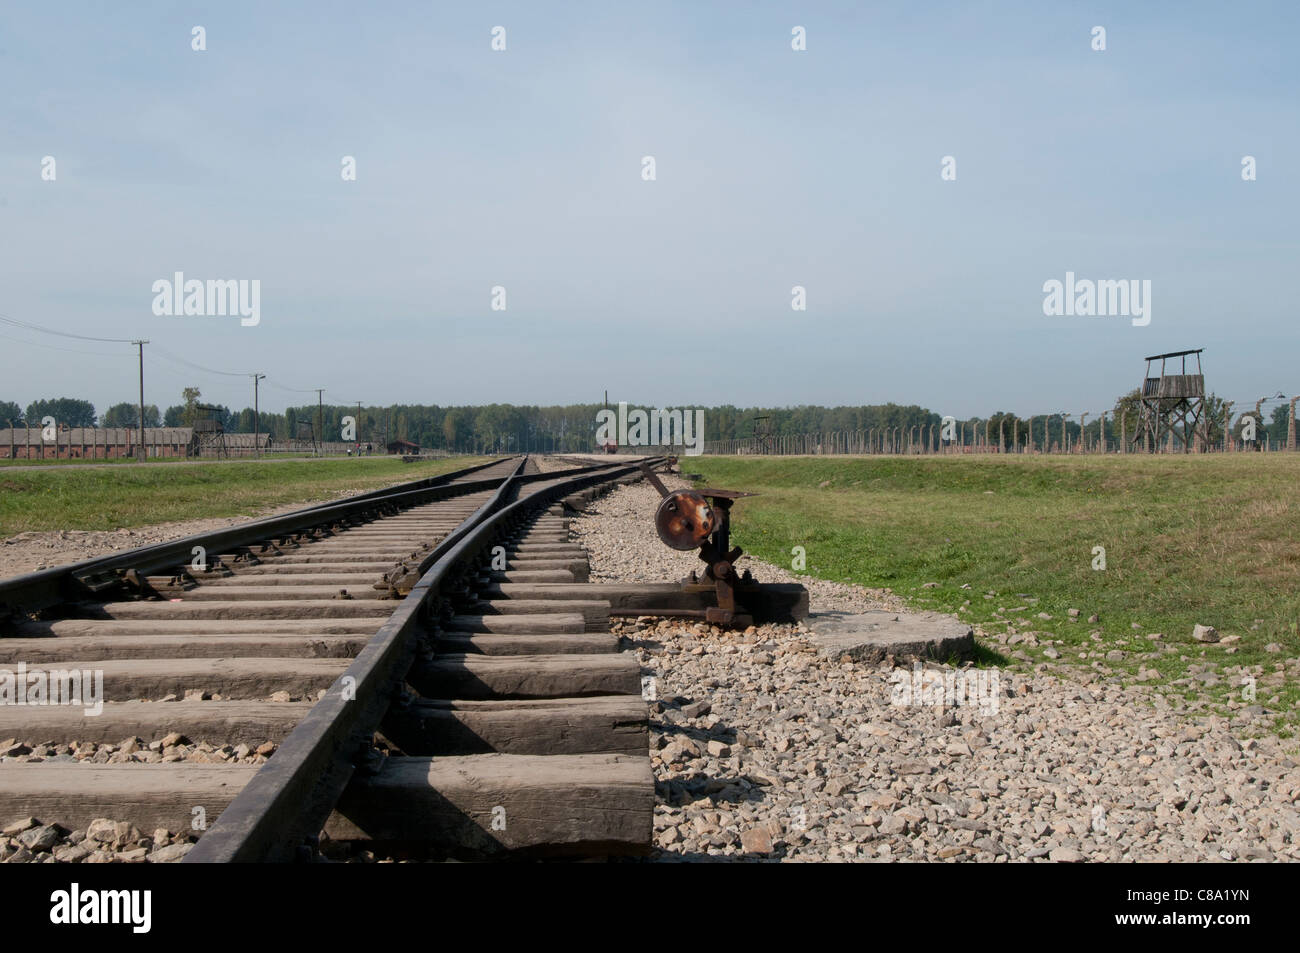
[775, 168]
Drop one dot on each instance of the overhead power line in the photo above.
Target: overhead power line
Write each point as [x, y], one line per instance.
[55, 347]
[198, 367]
[296, 390]
[67, 334]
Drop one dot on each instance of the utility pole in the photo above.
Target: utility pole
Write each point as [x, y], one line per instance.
[257, 422]
[358, 428]
[320, 418]
[140, 347]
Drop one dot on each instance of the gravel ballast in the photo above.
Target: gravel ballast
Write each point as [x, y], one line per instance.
[104, 841]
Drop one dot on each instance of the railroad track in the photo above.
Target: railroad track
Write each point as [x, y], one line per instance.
[405, 670]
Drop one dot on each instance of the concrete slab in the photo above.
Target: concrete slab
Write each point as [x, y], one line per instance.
[872, 636]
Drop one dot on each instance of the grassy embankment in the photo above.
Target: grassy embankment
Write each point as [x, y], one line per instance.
[108, 498]
[19, 462]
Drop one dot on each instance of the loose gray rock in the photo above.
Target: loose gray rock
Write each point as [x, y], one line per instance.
[170, 854]
[113, 834]
[893, 824]
[40, 838]
[20, 825]
[72, 854]
[756, 840]
[1066, 855]
[696, 709]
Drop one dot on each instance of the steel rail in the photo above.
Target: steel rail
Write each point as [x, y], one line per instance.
[441, 479]
[280, 812]
[73, 582]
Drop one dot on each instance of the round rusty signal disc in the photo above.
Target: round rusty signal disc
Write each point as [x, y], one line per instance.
[684, 520]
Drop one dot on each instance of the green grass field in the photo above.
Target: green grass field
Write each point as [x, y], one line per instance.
[124, 461]
[1206, 539]
[108, 498]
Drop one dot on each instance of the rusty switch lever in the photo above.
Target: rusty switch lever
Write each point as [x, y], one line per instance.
[657, 483]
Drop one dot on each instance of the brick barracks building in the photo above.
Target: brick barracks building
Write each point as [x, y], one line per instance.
[108, 443]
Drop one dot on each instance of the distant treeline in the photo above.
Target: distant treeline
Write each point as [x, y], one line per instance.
[504, 427]
[571, 427]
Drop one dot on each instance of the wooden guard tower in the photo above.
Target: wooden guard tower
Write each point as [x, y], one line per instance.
[1173, 405]
[307, 434]
[209, 435]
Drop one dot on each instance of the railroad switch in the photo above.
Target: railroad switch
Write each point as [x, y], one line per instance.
[687, 519]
